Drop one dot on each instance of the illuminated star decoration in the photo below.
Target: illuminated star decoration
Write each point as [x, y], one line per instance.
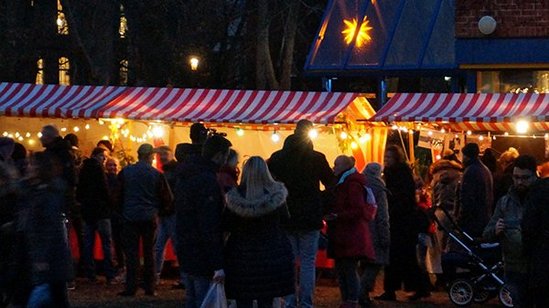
[363, 35]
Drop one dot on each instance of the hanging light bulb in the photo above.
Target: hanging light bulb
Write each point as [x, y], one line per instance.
[39, 134]
[430, 133]
[87, 126]
[101, 122]
[239, 132]
[394, 127]
[343, 135]
[364, 138]
[157, 132]
[481, 138]
[63, 129]
[17, 134]
[76, 129]
[275, 137]
[469, 133]
[313, 133]
[522, 126]
[31, 142]
[438, 157]
[28, 135]
[494, 137]
[443, 131]
[5, 134]
[354, 145]
[506, 134]
[20, 138]
[546, 136]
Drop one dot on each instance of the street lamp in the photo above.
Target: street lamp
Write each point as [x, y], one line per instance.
[193, 61]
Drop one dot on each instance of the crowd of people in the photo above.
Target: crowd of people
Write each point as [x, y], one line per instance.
[257, 230]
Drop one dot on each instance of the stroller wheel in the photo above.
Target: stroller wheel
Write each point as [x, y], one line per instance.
[461, 292]
[481, 296]
[505, 296]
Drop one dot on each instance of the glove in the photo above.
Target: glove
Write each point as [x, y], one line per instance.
[219, 276]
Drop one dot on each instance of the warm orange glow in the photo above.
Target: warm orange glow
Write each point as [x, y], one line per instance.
[363, 35]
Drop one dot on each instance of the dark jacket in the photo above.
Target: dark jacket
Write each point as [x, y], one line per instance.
[379, 227]
[92, 192]
[301, 169]
[535, 234]
[475, 198]
[510, 209]
[44, 232]
[258, 256]
[61, 151]
[144, 192]
[199, 205]
[188, 152]
[349, 234]
[170, 173]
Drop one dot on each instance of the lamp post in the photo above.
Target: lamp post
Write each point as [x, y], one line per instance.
[194, 62]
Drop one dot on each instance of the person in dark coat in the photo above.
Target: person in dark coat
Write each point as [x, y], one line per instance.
[229, 173]
[112, 168]
[45, 236]
[189, 152]
[301, 169]
[258, 255]
[473, 209]
[199, 203]
[349, 238]
[93, 194]
[503, 179]
[144, 193]
[404, 227]
[535, 241]
[379, 230]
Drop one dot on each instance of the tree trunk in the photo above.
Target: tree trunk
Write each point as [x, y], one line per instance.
[290, 30]
[265, 75]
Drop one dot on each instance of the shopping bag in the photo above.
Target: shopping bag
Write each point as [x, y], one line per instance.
[215, 298]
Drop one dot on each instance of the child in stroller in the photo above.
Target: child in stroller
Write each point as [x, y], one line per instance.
[473, 270]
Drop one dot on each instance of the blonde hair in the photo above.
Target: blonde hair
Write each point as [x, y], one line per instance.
[256, 177]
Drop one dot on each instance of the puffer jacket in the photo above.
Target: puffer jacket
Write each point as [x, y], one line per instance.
[510, 209]
[349, 234]
[258, 256]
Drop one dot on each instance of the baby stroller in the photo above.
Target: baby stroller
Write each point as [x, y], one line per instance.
[480, 263]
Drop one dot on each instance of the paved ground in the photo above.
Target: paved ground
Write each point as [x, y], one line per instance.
[327, 296]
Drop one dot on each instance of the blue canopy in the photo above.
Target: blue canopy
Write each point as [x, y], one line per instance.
[383, 37]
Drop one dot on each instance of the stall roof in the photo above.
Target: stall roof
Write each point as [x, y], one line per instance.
[31, 100]
[484, 112]
[178, 105]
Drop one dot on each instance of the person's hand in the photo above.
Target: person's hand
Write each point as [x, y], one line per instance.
[500, 226]
[330, 217]
[219, 276]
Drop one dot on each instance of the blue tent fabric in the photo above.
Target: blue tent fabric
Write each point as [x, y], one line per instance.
[405, 35]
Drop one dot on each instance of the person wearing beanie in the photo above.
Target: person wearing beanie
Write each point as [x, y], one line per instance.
[474, 206]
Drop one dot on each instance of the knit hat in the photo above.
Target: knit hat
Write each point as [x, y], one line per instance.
[373, 170]
[471, 150]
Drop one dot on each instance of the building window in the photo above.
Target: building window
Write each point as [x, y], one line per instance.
[62, 25]
[513, 81]
[124, 73]
[123, 28]
[40, 71]
[64, 77]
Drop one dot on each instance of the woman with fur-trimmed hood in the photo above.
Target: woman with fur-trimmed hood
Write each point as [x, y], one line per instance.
[258, 256]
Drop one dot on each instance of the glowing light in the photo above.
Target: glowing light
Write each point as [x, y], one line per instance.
[63, 129]
[522, 126]
[105, 137]
[494, 138]
[17, 134]
[438, 157]
[546, 136]
[76, 129]
[28, 135]
[343, 135]
[480, 138]
[404, 129]
[447, 78]
[39, 135]
[443, 131]
[193, 61]
[275, 137]
[87, 126]
[506, 134]
[5, 134]
[239, 132]
[60, 22]
[430, 133]
[31, 142]
[20, 138]
[394, 127]
[313, 133]
[351, 27]
[158, 132]
[10, 136]
[469, 133]
[101, 122]
[364, 138]
[354, 145]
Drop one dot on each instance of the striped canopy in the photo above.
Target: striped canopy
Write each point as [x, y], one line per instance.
[178, 105]
[484, 112]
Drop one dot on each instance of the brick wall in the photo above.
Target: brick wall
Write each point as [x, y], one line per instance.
[515, 18]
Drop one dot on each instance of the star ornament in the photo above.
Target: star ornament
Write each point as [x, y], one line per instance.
[363, 35]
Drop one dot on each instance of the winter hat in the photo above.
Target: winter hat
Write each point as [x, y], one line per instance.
[373, 170]
[471, 150]
[6, 148]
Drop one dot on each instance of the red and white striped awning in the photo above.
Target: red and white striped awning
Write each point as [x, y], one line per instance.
[31, 100]
[484, 112]
[227, 106]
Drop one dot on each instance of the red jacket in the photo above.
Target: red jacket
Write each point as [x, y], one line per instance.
[349, 234]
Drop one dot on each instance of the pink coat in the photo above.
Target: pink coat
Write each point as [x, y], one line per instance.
[349, 234]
